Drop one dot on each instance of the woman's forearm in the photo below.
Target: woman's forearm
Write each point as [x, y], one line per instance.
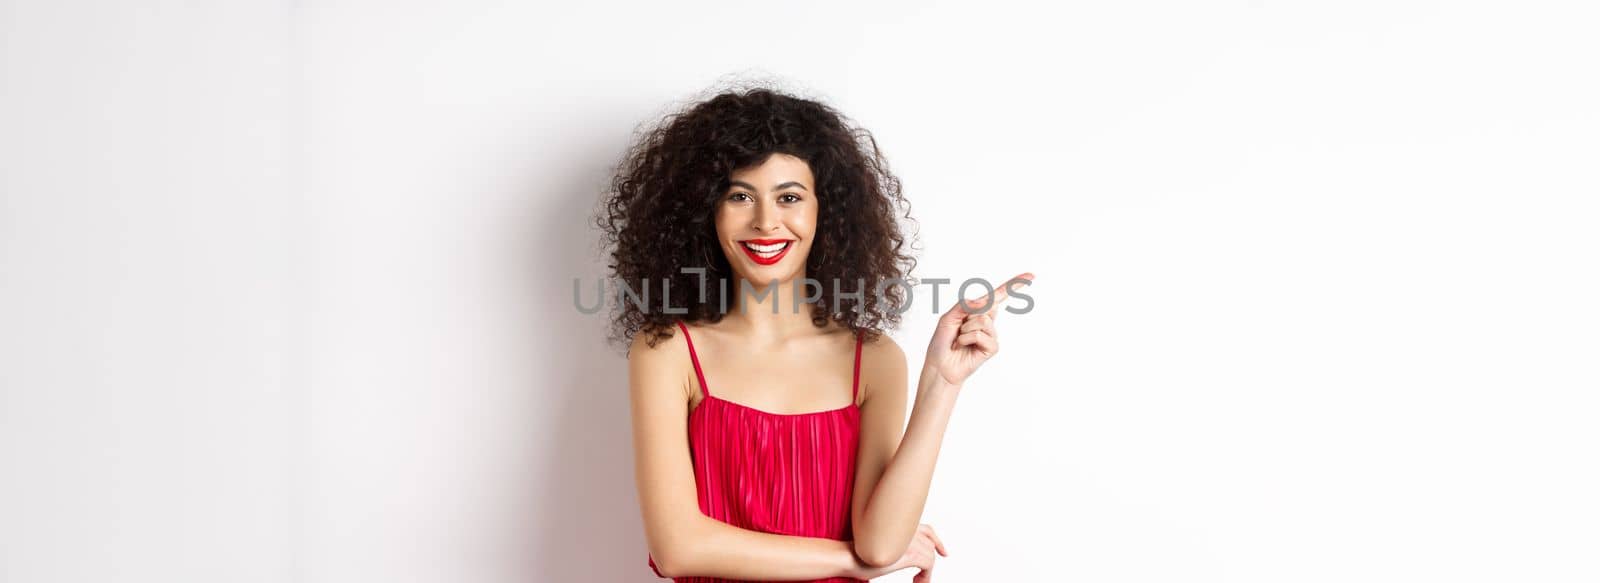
[717, 549]
[894, 510]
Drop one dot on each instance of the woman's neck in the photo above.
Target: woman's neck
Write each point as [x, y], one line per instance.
[766, 312]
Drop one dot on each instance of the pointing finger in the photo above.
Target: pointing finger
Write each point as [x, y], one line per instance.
[1001, 293]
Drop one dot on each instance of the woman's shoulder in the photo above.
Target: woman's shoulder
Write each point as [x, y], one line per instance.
[655, 343]
[666, 362]
[883, 366]
[882, 350]
[876, 346]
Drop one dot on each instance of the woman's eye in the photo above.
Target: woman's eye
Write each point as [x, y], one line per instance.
[784, 198]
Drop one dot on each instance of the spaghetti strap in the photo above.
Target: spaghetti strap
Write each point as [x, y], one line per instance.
[855, 376]
[692, 356]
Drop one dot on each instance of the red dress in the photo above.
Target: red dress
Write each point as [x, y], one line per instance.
[789, 474]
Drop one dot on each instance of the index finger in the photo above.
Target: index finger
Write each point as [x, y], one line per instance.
[1000, 294]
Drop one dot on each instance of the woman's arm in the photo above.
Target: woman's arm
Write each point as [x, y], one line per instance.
[897, 470]
[682, 540]
[894, 472]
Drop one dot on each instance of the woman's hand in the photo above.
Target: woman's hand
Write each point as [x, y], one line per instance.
[965, 337]
[920, 554]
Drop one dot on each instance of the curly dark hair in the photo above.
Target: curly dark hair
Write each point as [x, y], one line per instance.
[658, 215]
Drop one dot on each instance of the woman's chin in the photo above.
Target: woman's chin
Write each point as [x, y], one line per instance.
[760, 275]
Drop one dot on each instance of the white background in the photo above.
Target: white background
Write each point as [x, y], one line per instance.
[285, 287]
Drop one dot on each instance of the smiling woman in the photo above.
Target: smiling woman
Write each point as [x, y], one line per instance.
[786, 213]
[689, 191]
[772, 478]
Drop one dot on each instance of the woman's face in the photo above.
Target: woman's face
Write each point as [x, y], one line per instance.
[766, 219]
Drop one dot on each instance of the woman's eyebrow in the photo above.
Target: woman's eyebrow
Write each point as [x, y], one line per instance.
[778, 187]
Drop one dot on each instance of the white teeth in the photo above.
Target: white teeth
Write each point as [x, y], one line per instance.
[766, 251]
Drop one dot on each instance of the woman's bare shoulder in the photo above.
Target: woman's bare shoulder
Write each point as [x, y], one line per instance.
[883, 350]
[661, 367]
[883, 365]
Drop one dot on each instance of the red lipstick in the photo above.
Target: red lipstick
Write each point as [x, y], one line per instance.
[768, 246]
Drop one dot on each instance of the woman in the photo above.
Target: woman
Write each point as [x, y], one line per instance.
[768, 414]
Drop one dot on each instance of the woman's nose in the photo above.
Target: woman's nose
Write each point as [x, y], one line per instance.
[766, 218]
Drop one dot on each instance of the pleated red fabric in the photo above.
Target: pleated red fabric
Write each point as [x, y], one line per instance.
[789, 474]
